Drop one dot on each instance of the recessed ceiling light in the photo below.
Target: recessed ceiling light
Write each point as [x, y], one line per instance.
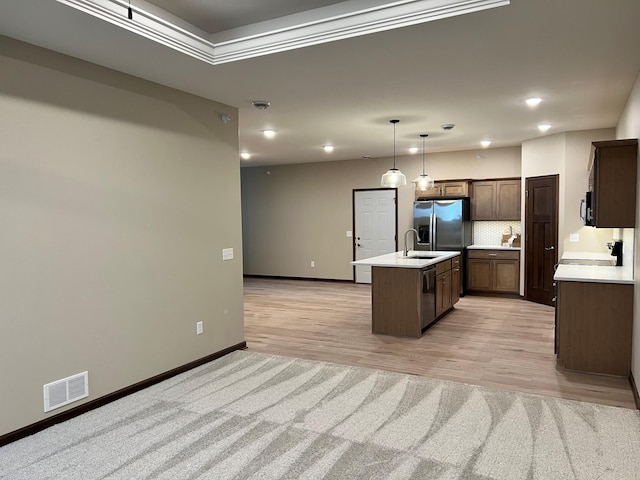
[447, 126]
[269, 133]
[544, 127]
[245, 155]
[327, 148]
[533, 101]
[485, 143]
[413, 150]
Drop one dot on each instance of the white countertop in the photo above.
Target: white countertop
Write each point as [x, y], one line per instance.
[593, 273]
[397, 259]
[587, 256]
[491, 247]
[590, 273]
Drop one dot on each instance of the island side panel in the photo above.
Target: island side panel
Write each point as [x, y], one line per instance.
[595, 326]
[395, 301]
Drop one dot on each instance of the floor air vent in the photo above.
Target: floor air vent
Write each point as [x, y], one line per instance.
[65, 391]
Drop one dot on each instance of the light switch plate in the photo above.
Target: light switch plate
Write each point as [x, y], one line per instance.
[574, 237]
[227, 254]
[349, 233]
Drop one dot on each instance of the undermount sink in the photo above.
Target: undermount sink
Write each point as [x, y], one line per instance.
[424, 255]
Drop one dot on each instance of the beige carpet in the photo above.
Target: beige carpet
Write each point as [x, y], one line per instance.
[256, 416]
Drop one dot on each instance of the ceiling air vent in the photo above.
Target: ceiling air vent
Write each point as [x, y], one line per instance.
[65, 391]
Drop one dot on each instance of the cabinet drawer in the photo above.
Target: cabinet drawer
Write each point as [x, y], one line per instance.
[495, 254]
[443, 266]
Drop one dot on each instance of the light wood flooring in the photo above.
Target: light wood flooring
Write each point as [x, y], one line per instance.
[488, 341]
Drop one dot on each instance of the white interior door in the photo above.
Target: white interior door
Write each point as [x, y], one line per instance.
[375, 227]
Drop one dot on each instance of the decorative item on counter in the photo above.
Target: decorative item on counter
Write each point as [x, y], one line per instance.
[510, 239]
[506, 237]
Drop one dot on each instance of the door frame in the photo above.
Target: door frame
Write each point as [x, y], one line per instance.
[353, 220]
[555, 178]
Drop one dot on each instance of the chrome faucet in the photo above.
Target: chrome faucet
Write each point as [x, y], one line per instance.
[415, 241]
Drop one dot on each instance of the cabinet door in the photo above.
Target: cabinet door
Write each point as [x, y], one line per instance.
[455, 285]
[443, 292]
[613, 172]
[431, 193]
[506, 276]
[508, 199]
[455, 189]
[479, 274]
[483, 202]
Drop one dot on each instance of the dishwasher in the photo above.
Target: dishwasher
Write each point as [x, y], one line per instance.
[428, 296]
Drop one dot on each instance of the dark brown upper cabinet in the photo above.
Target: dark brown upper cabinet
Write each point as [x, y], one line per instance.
[612, 183]
[496, 199]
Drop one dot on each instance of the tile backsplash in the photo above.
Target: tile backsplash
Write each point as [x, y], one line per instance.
[490, 233]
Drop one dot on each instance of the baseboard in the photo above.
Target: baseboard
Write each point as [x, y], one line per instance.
[276, 277]
[634, 390]
[111, 397]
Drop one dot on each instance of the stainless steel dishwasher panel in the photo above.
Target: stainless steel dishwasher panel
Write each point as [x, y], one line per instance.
[428, 296]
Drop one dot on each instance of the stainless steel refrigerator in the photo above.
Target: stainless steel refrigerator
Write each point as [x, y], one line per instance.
[444, 225]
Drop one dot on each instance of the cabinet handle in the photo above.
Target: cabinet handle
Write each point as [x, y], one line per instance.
[550, 248]
[493, 254]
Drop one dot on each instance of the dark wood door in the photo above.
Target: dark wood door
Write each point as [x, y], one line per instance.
[541, 237]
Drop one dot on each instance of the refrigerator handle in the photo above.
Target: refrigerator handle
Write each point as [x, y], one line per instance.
[434, 220]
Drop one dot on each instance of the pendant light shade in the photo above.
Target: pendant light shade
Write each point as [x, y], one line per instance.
[423, 182]
[394, 177]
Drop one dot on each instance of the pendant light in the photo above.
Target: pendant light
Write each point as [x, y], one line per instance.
[423, 182]
[394, 177]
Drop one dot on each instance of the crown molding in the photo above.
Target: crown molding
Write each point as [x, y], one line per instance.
[360, 21]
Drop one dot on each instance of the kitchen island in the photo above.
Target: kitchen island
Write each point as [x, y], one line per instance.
[409, 293]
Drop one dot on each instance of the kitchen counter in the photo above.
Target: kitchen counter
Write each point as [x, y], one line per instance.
[593, 273]
[597, 256]
[397, 259]
[574, 267]
[491, 247]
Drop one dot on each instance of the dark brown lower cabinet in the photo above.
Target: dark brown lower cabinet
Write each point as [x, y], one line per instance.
[493, 271]
[594, 327]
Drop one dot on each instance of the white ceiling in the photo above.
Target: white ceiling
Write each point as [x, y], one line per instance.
[475, 70]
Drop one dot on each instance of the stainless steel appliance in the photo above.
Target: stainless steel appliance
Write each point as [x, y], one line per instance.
[444, 225]
[428, 297]
[586, 214]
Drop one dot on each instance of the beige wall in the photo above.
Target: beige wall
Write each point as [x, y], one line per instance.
[567, 155]
[629, 127]
[295, 214]
[116, 199]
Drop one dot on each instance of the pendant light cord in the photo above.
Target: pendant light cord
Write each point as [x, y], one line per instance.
[394, 142]
[130, 12]
[424, 139]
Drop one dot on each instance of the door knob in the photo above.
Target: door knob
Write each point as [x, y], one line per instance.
[550, 248]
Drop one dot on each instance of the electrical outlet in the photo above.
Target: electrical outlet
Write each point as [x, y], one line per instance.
[574, 237]
[199, 328]
[227, 254]
[349, 233]
[313, 264]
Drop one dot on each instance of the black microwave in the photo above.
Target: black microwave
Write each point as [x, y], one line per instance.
[586, 212]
